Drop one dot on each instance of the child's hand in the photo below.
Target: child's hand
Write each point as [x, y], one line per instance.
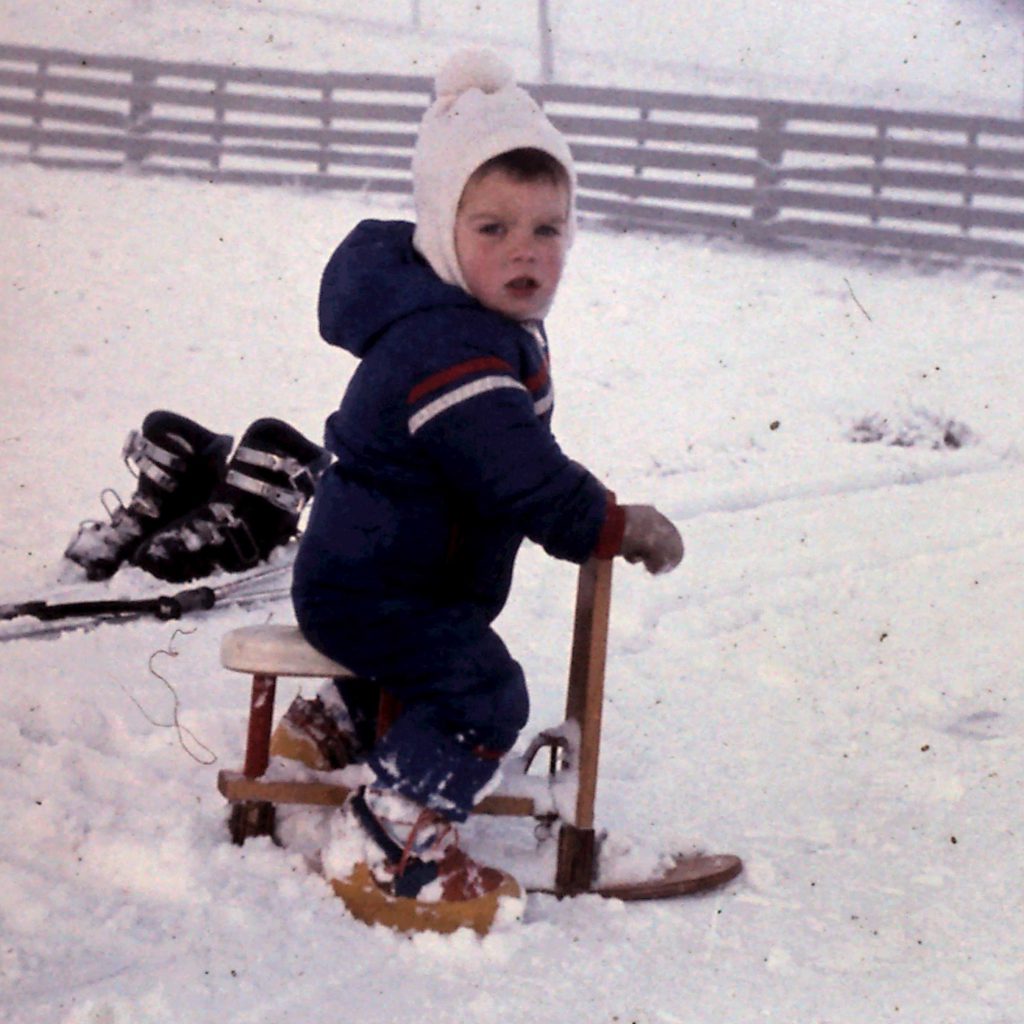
[651, 538]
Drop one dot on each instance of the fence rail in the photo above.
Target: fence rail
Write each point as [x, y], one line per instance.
[906, 181]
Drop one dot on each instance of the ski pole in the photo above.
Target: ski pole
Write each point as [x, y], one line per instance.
[165, 606]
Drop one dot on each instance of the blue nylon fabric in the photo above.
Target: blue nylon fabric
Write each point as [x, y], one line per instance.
[408, 554]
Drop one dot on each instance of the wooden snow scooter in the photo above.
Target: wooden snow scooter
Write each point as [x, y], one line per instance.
[268, 651]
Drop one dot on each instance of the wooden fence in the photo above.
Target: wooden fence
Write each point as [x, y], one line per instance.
[924, 184]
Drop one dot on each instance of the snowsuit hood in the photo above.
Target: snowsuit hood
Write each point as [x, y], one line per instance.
[374, 279]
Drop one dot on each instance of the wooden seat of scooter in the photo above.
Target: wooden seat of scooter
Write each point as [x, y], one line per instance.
[275, 650]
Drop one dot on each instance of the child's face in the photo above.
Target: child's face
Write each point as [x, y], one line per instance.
[510, 239]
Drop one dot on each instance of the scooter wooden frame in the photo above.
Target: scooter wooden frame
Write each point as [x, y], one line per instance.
[268, 652]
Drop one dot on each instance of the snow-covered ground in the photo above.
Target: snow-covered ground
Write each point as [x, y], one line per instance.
[827, 687]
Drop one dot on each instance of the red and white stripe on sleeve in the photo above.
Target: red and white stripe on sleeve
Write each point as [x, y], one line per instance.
[448, 388]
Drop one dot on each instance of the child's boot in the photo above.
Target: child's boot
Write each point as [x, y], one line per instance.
[178, 463]
[396, 863]
[269, 479]
[317, 733]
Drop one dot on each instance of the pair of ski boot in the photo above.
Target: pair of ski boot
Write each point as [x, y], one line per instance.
[197, 507]
[391, 861]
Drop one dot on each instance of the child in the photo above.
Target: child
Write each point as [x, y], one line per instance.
[445, 463]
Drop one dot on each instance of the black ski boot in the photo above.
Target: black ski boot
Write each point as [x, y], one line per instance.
[269, 480]
[178, 463]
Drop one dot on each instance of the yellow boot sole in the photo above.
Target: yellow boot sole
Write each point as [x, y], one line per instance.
[368, 902]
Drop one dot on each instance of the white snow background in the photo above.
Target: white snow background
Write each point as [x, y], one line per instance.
[829, 685]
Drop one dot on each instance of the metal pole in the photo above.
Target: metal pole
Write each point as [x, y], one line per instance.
[547, 45]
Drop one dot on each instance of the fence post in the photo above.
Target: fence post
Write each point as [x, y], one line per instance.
[641, 141]
[324, 163]
[219, 116]
[42, 69]
[881, 152]
[769, 161]
[140, 107]
[970, 166]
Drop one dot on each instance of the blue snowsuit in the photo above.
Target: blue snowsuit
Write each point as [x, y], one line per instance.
[445, 462]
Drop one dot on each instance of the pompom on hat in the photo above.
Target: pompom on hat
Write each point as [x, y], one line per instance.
[478, 114]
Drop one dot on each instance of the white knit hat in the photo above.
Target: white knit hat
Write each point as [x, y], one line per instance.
[479, 113]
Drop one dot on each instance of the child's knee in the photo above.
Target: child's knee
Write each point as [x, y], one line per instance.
[511, 711]
[492, 713]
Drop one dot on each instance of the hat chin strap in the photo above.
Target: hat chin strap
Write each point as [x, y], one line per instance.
[428, 242]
